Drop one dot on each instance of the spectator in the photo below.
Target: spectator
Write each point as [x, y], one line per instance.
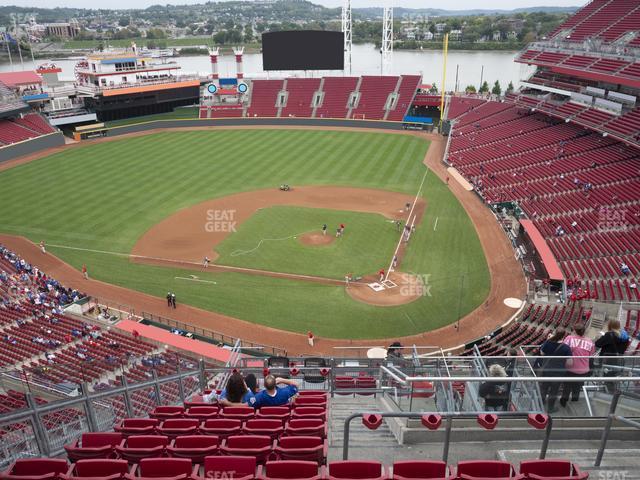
[495, 394]
[553, 366]
[272, 395]
[577, 366]
[612, 344]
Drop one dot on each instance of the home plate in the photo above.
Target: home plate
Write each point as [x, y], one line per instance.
[376, 287]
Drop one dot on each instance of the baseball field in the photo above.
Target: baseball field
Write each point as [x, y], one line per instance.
[95, 204]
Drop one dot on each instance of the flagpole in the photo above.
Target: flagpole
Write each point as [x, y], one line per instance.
[15, 26]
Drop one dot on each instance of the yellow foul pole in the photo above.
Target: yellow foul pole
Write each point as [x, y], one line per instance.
[445, 49]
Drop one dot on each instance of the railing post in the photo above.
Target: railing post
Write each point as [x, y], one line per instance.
[345, 438]
[91, 413]
[126, 396]
[447, 439]
[607, 428]
[202, 378]
[545, 441]
[38, 429]
[180, 385]
[156, 387]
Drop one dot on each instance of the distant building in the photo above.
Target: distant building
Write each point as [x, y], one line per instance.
[455, 35]
[497, 36]
[62, 30]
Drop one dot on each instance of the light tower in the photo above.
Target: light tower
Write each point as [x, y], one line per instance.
[387, 40]
[346, 29]
[213, 56]
[238, 51]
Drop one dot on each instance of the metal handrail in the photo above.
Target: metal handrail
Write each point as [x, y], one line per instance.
[448, 416]
[610, 418]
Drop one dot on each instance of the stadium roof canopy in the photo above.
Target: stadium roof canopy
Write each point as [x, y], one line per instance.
[15, 79]
[546, 255]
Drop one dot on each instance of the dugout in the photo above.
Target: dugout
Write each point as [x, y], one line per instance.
[93, 130]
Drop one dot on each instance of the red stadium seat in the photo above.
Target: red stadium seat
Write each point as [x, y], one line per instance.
[137, 447]
[258, 446]
[194, 447]
[313, 449]
[167, 411]
[165, 468]
[310, 401]
[551, 470]
[344, 383]
[239, 413]
[280, 413]
[97, 469]
[312, 393]
[366, 383]
[137, 426]
[420, 470]
[35, 469]
[176, 427]
[290, 469]
[357, 469]
[263, 426]
[310, 412]
[222, 427]
[93, 445]
[476, 469]
[311, 427]
[201, 413]
[231, 467]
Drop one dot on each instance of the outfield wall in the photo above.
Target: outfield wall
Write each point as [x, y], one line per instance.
[31, 146]
[239, 122]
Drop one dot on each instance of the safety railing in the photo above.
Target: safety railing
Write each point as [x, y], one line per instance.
[433, 421]
[613, 417]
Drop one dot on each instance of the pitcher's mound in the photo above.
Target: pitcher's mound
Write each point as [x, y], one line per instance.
[409, 288]
[316, 238]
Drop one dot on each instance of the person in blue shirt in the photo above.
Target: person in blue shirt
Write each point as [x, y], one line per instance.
[239, 391]
[272, 395]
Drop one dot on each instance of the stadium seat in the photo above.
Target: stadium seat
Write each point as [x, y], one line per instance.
[357, 469]
[137, 426]
[290, 469]
[312, 427]
[35, 469]
[166, 468]
[167, 411]
[313, 449]
[551, 470]
[310, 412]
[366, 383]
[137, 447]
[310, 401]
[476, 469]
[201, 413]
[93, 445]
[280, 413]
[311, 373]
[420, 469]
[258, 446]
[243, 468]
[222, 427]
[239, 413]
[312, 393]
[194, 447]
[344, 383]
[176, 427]
[97, 469]
[263, 426]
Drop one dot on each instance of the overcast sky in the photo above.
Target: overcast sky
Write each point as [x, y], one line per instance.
[453, 5]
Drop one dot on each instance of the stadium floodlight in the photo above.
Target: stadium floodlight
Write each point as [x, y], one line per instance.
[347, 30]
[387, 39]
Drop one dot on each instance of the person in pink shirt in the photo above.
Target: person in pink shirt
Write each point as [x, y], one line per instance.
[576, 366]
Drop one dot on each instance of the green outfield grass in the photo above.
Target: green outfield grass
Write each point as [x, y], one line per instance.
[105, 196]
[269, 240]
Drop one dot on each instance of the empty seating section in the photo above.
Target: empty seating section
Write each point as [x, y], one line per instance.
[605, 19]
[264, 96]
[35, 122]
[10, 132]
[9, 102]
[406, 92]
[461, 105]
[300, 97]
[562, 176]
[336, 95]
[221, 111]
[374, 93]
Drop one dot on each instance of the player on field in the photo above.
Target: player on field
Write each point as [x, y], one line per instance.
[324, 228]
[205, 262]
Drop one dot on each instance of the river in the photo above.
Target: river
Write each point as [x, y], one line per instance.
[498, 65]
